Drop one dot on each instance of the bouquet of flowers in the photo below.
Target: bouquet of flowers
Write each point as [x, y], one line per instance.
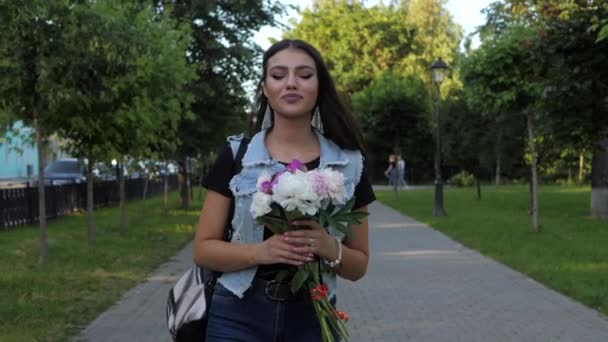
[297, 194]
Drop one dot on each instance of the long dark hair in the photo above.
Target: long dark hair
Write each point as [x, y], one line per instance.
[338, 123]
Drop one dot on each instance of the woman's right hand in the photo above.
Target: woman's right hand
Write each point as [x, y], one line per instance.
[276, 250]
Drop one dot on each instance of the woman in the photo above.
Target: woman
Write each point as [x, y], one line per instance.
[392, 171]
[294, 93]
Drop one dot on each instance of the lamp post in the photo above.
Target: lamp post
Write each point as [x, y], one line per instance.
[438, 69]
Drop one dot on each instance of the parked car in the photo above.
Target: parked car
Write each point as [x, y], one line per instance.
[64, 171]
[104, 172]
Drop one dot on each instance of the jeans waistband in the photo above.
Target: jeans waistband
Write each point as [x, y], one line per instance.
[277, 290]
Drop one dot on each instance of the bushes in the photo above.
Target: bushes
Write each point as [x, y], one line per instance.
[462, 178]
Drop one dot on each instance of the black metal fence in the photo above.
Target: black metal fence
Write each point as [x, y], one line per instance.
[19, 206]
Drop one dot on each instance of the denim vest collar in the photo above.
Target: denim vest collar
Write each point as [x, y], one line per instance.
[331, 154]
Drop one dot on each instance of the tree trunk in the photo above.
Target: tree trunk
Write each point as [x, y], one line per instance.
[200, 185]
[534, 183]
[123, 204]
[183, 180]
[498, 158]
[599, 180]
[530, 197]
[478, 188]
[146, 180]
[581, 164]
[396, 183]
[166, 191]
[44, 246]
[90, 224]
[188, 196]
[498, 181]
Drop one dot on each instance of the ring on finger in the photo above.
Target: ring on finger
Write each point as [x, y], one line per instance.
[311, 242]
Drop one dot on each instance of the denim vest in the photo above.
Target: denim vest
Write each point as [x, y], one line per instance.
[243, 186]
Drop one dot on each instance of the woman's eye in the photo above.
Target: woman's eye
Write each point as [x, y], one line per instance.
[306, 76]
[277, 77]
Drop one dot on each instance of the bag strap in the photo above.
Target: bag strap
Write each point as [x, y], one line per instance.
[237, 166]
[238, 158]
[236, 169]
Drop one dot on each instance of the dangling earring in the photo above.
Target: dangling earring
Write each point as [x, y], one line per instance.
[267, 122]
[316, 120]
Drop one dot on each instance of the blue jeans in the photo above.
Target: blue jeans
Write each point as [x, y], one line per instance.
[257, 318]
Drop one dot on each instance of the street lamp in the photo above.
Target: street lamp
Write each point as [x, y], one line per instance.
[438, 69]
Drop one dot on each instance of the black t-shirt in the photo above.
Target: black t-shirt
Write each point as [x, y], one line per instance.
[219, 176]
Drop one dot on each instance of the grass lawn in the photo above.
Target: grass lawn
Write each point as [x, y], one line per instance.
[55, 301]
[570, 254]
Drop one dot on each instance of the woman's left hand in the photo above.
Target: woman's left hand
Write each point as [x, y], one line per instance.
[312, 240]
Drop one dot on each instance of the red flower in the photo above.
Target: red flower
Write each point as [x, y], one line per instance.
[342, 315]
[319, 291]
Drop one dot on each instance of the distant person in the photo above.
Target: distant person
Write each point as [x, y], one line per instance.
[401, 172]
[391, 171]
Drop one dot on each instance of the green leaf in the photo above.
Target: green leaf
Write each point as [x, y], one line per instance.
[343, 228]
[279, 209]
[330, 208]
[275, 224]
[299, 278]
[282, 275]
[348, 206]
[322, 219]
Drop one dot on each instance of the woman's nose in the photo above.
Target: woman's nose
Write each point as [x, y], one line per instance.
[291, 81]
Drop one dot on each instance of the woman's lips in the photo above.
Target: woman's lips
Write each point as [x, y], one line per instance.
[291, 98]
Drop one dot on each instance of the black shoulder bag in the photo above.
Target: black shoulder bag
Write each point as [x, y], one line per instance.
[189, 299]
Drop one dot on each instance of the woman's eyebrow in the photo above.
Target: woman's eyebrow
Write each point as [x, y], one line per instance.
[283, 67]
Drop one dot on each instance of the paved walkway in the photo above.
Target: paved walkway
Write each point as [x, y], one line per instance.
[420, 286]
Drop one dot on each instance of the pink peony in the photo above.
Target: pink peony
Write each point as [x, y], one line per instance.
[295, 165]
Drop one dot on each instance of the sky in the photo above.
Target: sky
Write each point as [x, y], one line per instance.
[465, 12]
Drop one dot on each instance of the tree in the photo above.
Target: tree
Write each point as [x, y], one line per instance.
[468, 137]
[360, 45]
[577, 84]
[124, 86]
[572, 53]
[225, 58]
[436, 35]
[391, 111]
[505, 78]
[357, 43]
[30, 43]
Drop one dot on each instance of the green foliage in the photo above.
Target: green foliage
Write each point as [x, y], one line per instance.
[30, 43]
[576, 99]
[436, 35]
[461, 179]
[225, 57]
[467, 138]
[134, 73]
[362, 45]
[356, 42]
[391, 111]
[602, 34]
[503, 75]
[560, 43]
[600, 25]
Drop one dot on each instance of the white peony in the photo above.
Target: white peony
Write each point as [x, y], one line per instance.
[334, 181]
[295, 192]
[260, 205]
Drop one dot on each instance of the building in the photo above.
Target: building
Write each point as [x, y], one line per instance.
[19, 153]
